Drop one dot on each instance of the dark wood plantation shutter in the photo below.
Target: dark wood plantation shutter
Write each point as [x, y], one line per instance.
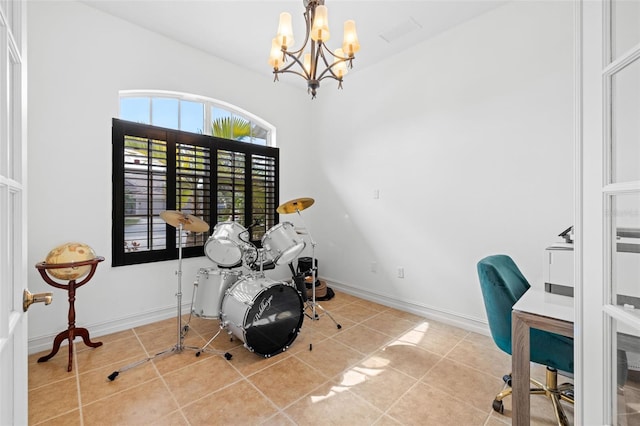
[215, 179]
[264, 195]
[193, 185]
[231, 188]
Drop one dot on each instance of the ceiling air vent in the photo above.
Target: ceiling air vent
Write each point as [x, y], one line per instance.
[400, 30]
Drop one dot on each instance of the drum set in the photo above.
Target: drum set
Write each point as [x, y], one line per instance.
[266, 315]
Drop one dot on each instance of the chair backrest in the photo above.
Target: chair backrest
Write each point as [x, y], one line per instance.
[502, 285]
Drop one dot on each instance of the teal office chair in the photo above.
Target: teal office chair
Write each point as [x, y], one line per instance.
[502, 285]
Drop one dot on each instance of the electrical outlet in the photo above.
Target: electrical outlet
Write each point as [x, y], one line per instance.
[374, 267]
[400, 272]
[376, 194]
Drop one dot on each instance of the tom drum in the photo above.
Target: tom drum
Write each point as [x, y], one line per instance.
[282, 243]
[224, 247]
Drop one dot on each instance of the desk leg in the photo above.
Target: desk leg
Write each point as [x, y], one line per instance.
[520, 372]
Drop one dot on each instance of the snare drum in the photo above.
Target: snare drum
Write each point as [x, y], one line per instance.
[265, 314]
[209, 288]
[283, 243]
[224, 247]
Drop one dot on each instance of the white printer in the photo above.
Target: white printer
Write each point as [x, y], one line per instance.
[558, 269]
[558, 266]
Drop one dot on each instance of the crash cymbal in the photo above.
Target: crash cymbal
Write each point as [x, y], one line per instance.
[189, 222]
[296, 205]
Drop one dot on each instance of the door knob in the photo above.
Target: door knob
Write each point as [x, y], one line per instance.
[28, 299]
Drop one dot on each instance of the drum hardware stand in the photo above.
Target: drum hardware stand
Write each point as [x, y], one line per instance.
[185, 328]
[196, 284]
[194, 224]
[227, 355]
[312, 305]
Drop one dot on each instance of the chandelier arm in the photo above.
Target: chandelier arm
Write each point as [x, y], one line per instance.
[316, 52]
[331, 74]
[296, 54]
[341, 58]
[288, 71]
[308, 21]
[296, 60]
[329, 68]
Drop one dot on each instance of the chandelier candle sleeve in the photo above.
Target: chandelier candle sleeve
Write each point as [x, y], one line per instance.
[307, 63]
[285, 31]
[350, 43]
[275, 57]
[314, 61]
[340, 67]
[320, 30]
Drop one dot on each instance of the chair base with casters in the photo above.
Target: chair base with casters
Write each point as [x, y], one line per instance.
[550, 389]
[502, 285]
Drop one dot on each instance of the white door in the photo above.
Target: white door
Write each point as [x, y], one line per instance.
[609, 313]
[13, 272]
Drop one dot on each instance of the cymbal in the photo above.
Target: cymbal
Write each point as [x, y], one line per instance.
[189, 222]
[296, 205]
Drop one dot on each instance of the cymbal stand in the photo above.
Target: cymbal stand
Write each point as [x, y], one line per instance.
[179, 346]
[312, 305]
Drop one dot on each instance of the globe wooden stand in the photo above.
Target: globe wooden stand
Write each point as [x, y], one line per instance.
[71, 332]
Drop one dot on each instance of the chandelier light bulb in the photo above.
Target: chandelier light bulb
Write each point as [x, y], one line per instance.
[320, 29]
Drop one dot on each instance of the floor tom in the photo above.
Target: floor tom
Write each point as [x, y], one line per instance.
[210, 287]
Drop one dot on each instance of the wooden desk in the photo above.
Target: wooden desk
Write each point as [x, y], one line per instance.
[544, 311]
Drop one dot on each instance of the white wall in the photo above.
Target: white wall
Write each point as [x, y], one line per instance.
[79, 59]
[468, 138]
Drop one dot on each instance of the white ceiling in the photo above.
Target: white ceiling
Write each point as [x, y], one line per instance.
[240, 31]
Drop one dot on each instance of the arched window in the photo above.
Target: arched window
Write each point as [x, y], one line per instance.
[196, 155]
[195, 114]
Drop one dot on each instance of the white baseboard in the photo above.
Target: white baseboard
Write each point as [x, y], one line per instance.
[452, 318]
[44, 343]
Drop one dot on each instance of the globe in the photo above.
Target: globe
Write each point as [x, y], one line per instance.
[68, 253]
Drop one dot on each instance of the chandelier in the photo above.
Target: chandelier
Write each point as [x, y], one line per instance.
[318, 62]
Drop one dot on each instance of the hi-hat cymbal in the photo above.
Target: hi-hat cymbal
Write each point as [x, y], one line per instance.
[189, 222]
[296, 205]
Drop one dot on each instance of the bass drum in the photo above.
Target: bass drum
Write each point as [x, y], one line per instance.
[265, 314]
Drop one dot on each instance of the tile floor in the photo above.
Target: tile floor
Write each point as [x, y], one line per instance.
[384, 367]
